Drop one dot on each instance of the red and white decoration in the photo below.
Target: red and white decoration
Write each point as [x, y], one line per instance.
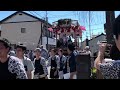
[75, 29]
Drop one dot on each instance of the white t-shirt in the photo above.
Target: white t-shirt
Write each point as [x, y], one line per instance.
[28, 63]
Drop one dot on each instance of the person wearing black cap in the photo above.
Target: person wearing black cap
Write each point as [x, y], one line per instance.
[41, 71]
[71, 65]
[28, 65]
[10, 66]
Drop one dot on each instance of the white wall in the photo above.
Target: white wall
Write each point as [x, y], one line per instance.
[50, 41]
[12, 31]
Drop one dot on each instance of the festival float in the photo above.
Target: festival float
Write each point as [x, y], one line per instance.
[69, 31]
[66, 31]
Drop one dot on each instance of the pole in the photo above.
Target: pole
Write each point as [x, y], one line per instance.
[78, 42]
[47, 29]
[40, 39]
[56, 38]
[81, 42]
[41, 32]
[89, 25]
[110, 17]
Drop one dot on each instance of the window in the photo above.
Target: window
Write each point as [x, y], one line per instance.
[23, 30]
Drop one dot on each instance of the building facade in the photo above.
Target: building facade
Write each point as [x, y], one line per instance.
[23, 28]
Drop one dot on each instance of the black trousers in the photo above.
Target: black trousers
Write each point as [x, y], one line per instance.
[42, 78]
[52, 71]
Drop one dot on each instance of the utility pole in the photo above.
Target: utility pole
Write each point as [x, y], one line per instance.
[89, 24]
[56, 38]
[47, 29]
[110, 17]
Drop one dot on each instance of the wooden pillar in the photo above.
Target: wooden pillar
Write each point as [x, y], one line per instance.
[110, 17]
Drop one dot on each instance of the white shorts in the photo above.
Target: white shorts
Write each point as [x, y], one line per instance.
[67, 76]
[61, 75]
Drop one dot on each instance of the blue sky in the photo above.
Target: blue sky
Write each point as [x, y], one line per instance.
[97, 18]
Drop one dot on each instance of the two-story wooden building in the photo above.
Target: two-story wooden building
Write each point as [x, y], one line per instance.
[24, 28]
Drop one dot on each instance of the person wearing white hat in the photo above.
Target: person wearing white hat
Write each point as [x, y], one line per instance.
[44, 52]
[12, 53]
[87, 50]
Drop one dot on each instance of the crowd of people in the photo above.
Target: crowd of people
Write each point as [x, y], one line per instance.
[23, 64]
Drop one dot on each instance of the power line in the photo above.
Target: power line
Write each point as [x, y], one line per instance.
[38, 14]
[84, 15]
[56, 16]
[61, 15]
[97, 29]
[35, 14]
[32, 13]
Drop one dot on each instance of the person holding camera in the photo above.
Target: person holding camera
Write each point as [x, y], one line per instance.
[110, 70]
